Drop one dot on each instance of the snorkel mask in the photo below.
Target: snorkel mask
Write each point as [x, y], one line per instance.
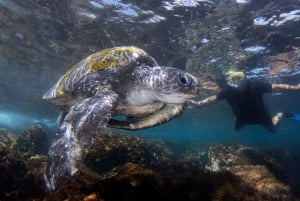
[235, 78]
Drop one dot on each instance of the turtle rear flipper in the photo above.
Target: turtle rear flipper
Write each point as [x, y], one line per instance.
[75, 136]
[167, 113]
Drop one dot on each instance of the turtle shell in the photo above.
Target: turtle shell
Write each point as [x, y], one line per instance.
[110, 58]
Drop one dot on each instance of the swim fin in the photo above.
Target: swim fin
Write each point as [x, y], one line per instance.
[293, 116]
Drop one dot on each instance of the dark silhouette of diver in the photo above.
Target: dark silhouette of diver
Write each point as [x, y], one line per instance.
[246, 100]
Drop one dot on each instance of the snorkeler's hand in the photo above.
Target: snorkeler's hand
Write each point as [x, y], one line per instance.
[190, 104]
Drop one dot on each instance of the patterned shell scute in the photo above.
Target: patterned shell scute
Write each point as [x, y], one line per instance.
[114, 57]
[108, 58]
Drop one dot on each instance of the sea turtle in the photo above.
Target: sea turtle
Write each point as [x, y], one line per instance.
[118, 81]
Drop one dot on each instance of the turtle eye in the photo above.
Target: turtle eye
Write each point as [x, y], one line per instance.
[184, 81]
[144, 67]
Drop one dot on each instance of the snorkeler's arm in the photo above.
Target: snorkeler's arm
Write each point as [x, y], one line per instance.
[285, 87]
[211, 86]
[206, 101]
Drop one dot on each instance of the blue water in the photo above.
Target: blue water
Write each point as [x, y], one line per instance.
[213, 124]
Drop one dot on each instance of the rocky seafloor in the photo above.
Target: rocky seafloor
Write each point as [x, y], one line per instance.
[123, 167]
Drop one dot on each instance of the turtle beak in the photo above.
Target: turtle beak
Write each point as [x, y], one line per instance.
[196, 90]
[191, 83]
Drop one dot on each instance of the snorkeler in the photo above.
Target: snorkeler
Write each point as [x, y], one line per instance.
[246, 100]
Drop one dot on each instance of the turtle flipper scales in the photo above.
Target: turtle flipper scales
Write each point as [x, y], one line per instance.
[167, 113]
[75, 136]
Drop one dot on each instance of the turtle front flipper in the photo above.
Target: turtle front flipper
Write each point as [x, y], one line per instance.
[167, 113]
[75, 135]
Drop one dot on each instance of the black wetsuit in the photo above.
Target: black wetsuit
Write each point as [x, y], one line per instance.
[247, 103]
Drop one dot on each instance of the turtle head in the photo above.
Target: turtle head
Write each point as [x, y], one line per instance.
[168, 84]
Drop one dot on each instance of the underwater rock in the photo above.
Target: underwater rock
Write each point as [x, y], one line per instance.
[92, 197]
[289, 160]
[123, 167]
[7, 138]
[235, 173]
[111, 150]
[252, 167]
[21, 179]
[222, 157]
[32, 141]
[134, 174]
